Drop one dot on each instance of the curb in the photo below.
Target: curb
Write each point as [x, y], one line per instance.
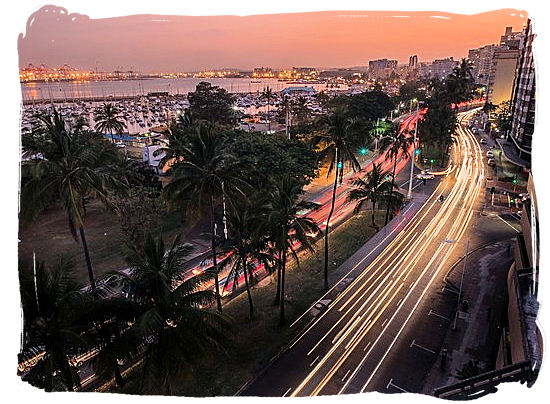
[458, 261]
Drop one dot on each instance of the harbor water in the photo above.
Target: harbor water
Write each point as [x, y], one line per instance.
[70, 90]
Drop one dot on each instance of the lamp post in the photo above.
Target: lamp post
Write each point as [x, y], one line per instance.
[409, 193]
[224, 212]
[450, 241]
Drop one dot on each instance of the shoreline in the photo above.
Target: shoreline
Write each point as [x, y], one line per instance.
[58, 92]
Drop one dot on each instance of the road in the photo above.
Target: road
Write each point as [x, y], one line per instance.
[345, 346]
[343, 209]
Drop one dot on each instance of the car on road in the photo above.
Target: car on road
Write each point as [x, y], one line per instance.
[491, 162]
[425, 175]
[490, 154]
[483, 141]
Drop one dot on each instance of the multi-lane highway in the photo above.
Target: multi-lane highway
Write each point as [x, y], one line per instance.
[344, 348]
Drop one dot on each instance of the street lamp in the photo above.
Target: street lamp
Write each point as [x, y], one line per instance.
[411, 103]
[451, 241]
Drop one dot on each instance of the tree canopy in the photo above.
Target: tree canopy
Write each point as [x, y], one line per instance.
[368, 105]
[260, 156]
[212, 104]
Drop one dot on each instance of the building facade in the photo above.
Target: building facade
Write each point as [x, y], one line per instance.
[523, 102]
[439, 68]
[512, 40]
[482, 60]
[381, 68]
[503, 70]
[413, 62]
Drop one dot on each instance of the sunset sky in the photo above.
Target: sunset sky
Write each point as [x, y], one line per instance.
[160, 43]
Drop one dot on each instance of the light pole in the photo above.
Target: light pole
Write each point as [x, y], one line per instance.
[409, 193]
[224, 212]
[450, 241]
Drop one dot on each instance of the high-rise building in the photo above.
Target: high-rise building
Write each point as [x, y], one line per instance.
[381, 68]
[512, 40]
[503, 71]
[382, 64]
[482, 60]
[413, 62]
[439, 68]
[522, 107]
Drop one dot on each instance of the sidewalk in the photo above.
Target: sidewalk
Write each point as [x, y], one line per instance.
[478, 327]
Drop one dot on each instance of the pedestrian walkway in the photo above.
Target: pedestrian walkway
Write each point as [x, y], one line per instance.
[475, 339]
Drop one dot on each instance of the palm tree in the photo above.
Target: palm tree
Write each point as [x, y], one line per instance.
[289, 227]
[69, 167]
[248, 241]
[372, 189]
[52, 303]
[177, 135]
[175, 325]
[112, 316]
[461, 81]
[378, 130]
[336, 144]
[397, 144]
[199, 180]
[267, 94]
[300, 109]
[285, 107]
[322, 98]
[109, 121]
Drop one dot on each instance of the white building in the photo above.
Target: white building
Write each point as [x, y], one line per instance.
[298, 91]
[149, 157]
[439, 68]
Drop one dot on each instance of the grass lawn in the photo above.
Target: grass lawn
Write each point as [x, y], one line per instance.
[49, 237]
[253, 343]
[431, 152]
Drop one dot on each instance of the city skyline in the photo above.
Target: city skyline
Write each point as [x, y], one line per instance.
[55, 37]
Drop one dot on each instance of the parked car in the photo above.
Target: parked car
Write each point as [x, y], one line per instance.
[483, 141]
[490, 154]
[491, 162]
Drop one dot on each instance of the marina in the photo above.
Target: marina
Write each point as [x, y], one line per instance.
[151, 103]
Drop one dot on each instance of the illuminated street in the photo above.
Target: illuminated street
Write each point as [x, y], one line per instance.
[342, 350]
[290, 204]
